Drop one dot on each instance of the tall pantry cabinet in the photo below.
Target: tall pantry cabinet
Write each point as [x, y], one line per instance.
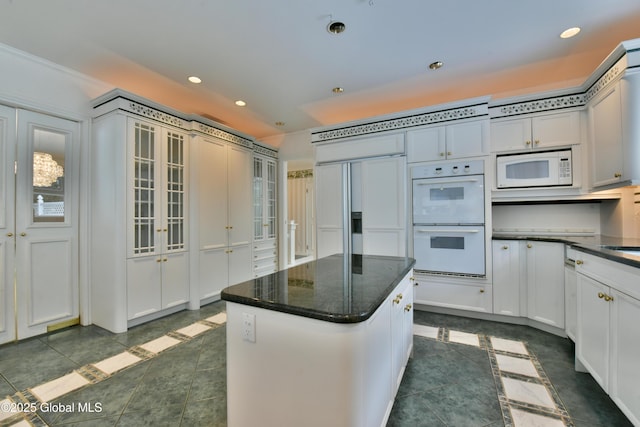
[171, 210]
[139, 192]
[222, 214]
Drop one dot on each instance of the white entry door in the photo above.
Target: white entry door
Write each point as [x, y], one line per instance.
[7, 235]
[40, 236]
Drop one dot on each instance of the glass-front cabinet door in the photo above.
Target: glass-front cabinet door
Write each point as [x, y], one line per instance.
[146, 176]
[157, 268]
[258, 198]
[264, 199]
[270, 201]
[158, 214]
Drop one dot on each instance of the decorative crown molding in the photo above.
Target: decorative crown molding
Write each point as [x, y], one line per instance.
[218, 133]
[154, 114]
[400, 123]
[555, 103]
[265, 151]
[603, 81]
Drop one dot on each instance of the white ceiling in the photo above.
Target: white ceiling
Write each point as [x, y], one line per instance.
[278, 56]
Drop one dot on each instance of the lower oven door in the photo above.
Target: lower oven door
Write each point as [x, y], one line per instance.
[450, 249]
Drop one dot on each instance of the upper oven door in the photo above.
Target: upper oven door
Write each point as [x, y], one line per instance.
[450, 200]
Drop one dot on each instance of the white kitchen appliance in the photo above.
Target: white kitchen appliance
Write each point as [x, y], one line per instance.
[539, 169]
[448, 218]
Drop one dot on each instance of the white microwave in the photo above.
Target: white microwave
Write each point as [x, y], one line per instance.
[539, 169]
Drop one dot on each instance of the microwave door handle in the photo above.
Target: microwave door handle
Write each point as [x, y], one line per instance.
[448, 231]
[435, 182]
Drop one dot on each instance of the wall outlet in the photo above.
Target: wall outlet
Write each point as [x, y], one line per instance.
[249, 327]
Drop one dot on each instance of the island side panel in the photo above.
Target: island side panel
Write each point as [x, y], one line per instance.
[303, 371]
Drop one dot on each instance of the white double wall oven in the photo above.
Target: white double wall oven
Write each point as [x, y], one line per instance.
[449, 218]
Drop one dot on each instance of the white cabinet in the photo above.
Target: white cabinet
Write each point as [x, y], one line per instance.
[506, 277]
[224, 216]
[265, 259]
[157, 266]
[593, 337]
[570, 294]
[528, 280]
[625, 353]
[614, 133]
[608, 338]
[401, 329]
[454, 141]
[605, 131]
[545, 282]
[453, 293]
[140, 199]
[543, 131]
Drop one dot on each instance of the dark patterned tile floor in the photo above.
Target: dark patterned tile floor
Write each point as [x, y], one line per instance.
[445, 383]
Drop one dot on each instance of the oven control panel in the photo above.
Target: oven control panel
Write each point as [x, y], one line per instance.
[473, 167]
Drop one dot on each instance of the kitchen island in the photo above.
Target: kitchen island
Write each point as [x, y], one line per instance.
[322, 343]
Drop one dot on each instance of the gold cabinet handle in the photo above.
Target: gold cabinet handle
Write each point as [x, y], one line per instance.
[159, 260]
[482, 291]
[537, 141]
[412, 278]
[617, 175]
[9, 234]
[23, 234]
[505, 247]
[448, 153]
[397, 299]
[407, 307]
[579, 262]
[529, 245]
[442, 154]
[608, 298]
[600, 295]
[528, 142]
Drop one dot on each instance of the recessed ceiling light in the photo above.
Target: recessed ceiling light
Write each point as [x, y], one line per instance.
[436, 65]
[570, 32]
[337, 89]
[240, 103]
[336, 27]
[195, 79]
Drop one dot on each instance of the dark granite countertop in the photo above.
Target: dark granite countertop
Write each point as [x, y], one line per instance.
[597, 245]
[337, 288]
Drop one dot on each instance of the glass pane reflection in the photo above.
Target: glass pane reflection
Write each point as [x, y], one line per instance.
[48, 176]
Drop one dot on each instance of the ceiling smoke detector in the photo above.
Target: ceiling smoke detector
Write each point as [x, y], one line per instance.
[336, 27]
